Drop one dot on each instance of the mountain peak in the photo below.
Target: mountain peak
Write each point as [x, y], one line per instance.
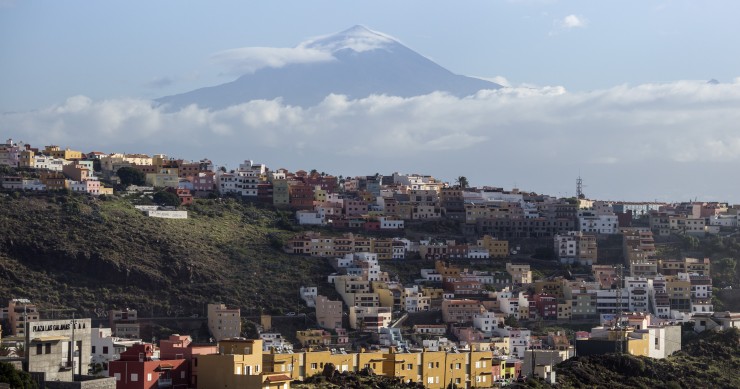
[357, 38]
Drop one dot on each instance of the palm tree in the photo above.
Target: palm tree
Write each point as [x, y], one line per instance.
[462, 182]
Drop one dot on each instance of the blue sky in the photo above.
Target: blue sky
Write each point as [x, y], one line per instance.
[602, 89]
[56, 49]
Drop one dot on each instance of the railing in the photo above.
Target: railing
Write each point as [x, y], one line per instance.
[164, 382]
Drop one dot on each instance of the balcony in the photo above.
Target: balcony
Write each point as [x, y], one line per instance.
[164, 383]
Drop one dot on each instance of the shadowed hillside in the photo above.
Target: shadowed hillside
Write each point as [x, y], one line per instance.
[64, 250]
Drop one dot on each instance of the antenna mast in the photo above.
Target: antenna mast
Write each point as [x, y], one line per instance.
[579, 188]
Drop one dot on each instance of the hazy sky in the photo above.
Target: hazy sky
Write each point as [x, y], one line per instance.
[613, 91]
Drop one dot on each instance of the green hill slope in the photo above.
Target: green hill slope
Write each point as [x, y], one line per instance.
[711, 360]
[85, 253]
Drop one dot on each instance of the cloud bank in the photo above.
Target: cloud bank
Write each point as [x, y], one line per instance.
[630, 142]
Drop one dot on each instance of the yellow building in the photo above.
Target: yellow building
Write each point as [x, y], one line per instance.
[67, 154]
[315, 361]
[242, 364]
[290, 364]
[406, 366]
[238, 365]
[370, 360]
[162, 180]
[314, 337]
[496, 248]
[480, 369]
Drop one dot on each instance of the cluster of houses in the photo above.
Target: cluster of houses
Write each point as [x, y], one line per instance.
[377, 203]
[59, 169]
[67, 353]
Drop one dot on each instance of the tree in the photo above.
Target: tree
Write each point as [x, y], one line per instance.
[130, 176]
[511, 321]
[166, 198]
[462, 182]
[16, 378]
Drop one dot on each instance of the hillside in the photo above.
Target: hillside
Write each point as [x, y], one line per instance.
[70, 251]
[711, 360]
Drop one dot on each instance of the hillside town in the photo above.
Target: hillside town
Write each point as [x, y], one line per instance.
[489, 310]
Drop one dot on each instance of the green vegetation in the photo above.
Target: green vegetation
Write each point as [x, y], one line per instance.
[70, 251]
[16, 378]
[130, 176]
[709, 360]
[330, 378]
[166, 198]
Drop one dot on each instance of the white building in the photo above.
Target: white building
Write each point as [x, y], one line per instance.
[590, 221]
[306, 217]
[638, 289]
[413, 300]
[308, 294]
[105, 347]
[519, 339]
[390, 224]
[487, 322]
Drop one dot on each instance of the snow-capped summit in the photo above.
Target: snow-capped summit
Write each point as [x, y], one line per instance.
[363, 63]
[358, 38]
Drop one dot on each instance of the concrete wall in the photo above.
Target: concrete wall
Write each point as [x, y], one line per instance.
[84, 382]
[672, 339]
[168, 214]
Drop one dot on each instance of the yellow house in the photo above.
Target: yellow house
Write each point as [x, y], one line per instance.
[406, 366]
[432, 293]
[162, 180]
[316, 360]
[67, 154]
[314, 337]
[480, 369]
[385, 295]
[290, 364]
[319, 194]
[457, 372]
[496, 248]
[638, 344]
[238, 365]
[371, 360]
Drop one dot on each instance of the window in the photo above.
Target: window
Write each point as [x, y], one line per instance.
[134, 377]
[117, 376]
[93, 349]
[182, 374]
[39, 349]
[105, 349]
[314, 366]
[148, 377]
[48, 348]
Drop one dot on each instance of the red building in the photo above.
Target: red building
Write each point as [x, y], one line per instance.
[301, 195]
[182, 347]
[547, 306]
[203, 181]
[137, 370]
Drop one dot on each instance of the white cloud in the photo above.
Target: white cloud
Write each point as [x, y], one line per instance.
[250, 59]
[622, 138]
[572, 21]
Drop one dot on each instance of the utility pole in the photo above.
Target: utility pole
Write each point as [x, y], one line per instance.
[620, 278]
